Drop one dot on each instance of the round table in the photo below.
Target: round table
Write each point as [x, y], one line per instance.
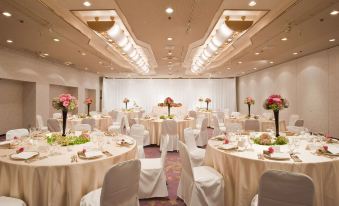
[265, 124]
[242, 172]
[154, 128]
[55, 180]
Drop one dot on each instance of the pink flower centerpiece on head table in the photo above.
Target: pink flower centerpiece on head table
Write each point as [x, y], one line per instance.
[207, 100]
[88, 101]
[169, 102]
[249, 101]
[276, 103]
[65, 103]
[126, 102]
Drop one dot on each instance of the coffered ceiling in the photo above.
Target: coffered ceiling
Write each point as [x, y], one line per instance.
[35, 25]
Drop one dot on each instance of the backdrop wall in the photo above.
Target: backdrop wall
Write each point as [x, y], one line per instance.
[310, 84]
[149, 92]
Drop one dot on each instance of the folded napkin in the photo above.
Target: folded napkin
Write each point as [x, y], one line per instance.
[5, 144]
[227, 146]
[280, 155]
[24, 155]
[333, 149]
[93, 153]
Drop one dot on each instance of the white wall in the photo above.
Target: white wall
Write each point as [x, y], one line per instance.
[149, 92]
[310, 83]
[24, 66]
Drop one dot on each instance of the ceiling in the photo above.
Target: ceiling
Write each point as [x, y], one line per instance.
[307, 25]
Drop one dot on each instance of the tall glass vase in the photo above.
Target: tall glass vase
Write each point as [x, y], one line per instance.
[64, 121]
[169, 110]
[249, 110]
[207, 106]
[276, 120]
[126, 105]
[88, 106]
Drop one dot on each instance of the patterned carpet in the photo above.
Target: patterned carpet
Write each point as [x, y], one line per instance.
[173, 168]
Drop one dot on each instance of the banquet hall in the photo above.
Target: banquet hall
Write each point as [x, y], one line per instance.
[169, 102]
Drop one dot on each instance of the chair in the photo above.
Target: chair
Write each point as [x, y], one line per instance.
[53, 125]
[221, 117]
[120, 187]
[152, 176]
[82, 127]
[93, 113]
[192, 114]
[217, 129]
[197, 154]
[125, 129]
[16, 133]
[201, 135]
[199, 186]
[227, 112]
[113, 114]
[90, 121]
[10, 201]
[252, 125]
[40, 123]
[57, 115]
[117, 128]
[281, 188]
[233, 127]
[235, 114]
[96, 134]
[137, 132]
[200, 118]
[169, 127]
[299, 123]
[267, 115]
[293, 119]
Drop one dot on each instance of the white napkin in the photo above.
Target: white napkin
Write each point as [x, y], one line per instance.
[24, 155]
[280, 155]
[333, 149]
[94, 153]
[5, 142]
[227, 146]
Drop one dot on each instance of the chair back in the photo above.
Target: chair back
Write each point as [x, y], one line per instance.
[192, 114]
[170, 127]
[16, 133]
[252, 125]
[199, 119]
[113, 114]
[235, 114]
[53, 125]
[141, 114]
[299, 123]
[96, 134]
[216, 127]
[57, 115]
[281, 188]
[119, 116]
[39, 121]
[137, 133]
[267, 115]
[121, 184]
[90, 121]
[227, 111]
[190, 139]
[204, 125]
[185, 160]
[220, 116]
[82, 127]
[293, 119]
[233, 127]
[164, 145]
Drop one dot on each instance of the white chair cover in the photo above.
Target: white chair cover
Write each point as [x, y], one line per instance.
[93, 113]
[217, 129]
[293, 119]
[227, 112]
[137, 132]
[117, 127]
[16, 133]
[169, 127]
[96, 134]
[82, 127]
[233, 127]
[201, 136]
[40, 123]
[281, 188]
[10, 201]
[267, 115]
[152, 176]
[252, 125]
[53, 125]
[192, 114]
[90, 121]
[221, 117]
[197, 154]
[113, 114]
[199, 186]
[120, 187]
[299, 123]
[235, 114]
[200, 118]
[57, 115]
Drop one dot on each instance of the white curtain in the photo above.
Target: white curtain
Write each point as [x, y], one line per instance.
[147, 93]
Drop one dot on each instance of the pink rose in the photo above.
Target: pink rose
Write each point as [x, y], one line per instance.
[325, 147]
[21, 149]
[65, 103]
[270, 150]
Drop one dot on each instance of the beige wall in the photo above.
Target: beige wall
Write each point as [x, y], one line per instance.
[310, 83]
[22, 66]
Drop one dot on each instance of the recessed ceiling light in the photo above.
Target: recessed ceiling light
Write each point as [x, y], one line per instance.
[255, 68]
[252, 3]
[331, 40]
[284, 39]
[170, 62]
[9, 41]
[256, 53]
[110, 40]
[169, 38]
[169, 10]
[46, 54]
[112, 68]
[86, 68]
[56, 39]
[7, 14]
[68, 63]
[334, 12]
[87, 3]
[100, 62]
[239, 62]
[83, 53]
[229, 40]
[243, 72]
[170, 53]
[97, 72]
[295, 53]
[228, 68]
[271, 62]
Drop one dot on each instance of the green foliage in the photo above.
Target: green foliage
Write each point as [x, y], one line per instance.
[67, 140]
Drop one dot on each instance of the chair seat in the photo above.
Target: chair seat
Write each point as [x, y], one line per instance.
[197, 156]
[10, 201]
[151, 164]
[92, 198]
[206, 175]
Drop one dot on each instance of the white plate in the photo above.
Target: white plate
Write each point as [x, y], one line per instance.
[24, 155]
[227, 147]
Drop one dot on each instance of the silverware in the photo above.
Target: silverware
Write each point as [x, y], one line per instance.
[35, 159]
[74, 158]
[108, 154]
[295, 158]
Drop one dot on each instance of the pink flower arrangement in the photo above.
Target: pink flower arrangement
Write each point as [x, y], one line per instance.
[19, 150]
[208, 100]
[275, 102]
[125, 100]
[88, 100]
[65, 102]
[270, 150]
[201, 99]
[168, 101]
[249, 100]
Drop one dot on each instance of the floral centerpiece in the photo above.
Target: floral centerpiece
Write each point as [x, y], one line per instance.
[207, 100]
[126, 102]
[88, 101]
[65, 103]
[69, 140]
[249, 101]
[266, 139]
[201, 99]
[169, 102]
[276, 103]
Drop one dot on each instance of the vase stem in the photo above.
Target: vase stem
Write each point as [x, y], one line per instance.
[276, 120]
[169, 110]
[64, 121]
[207, 106]
[88, 106]
[249, 110]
